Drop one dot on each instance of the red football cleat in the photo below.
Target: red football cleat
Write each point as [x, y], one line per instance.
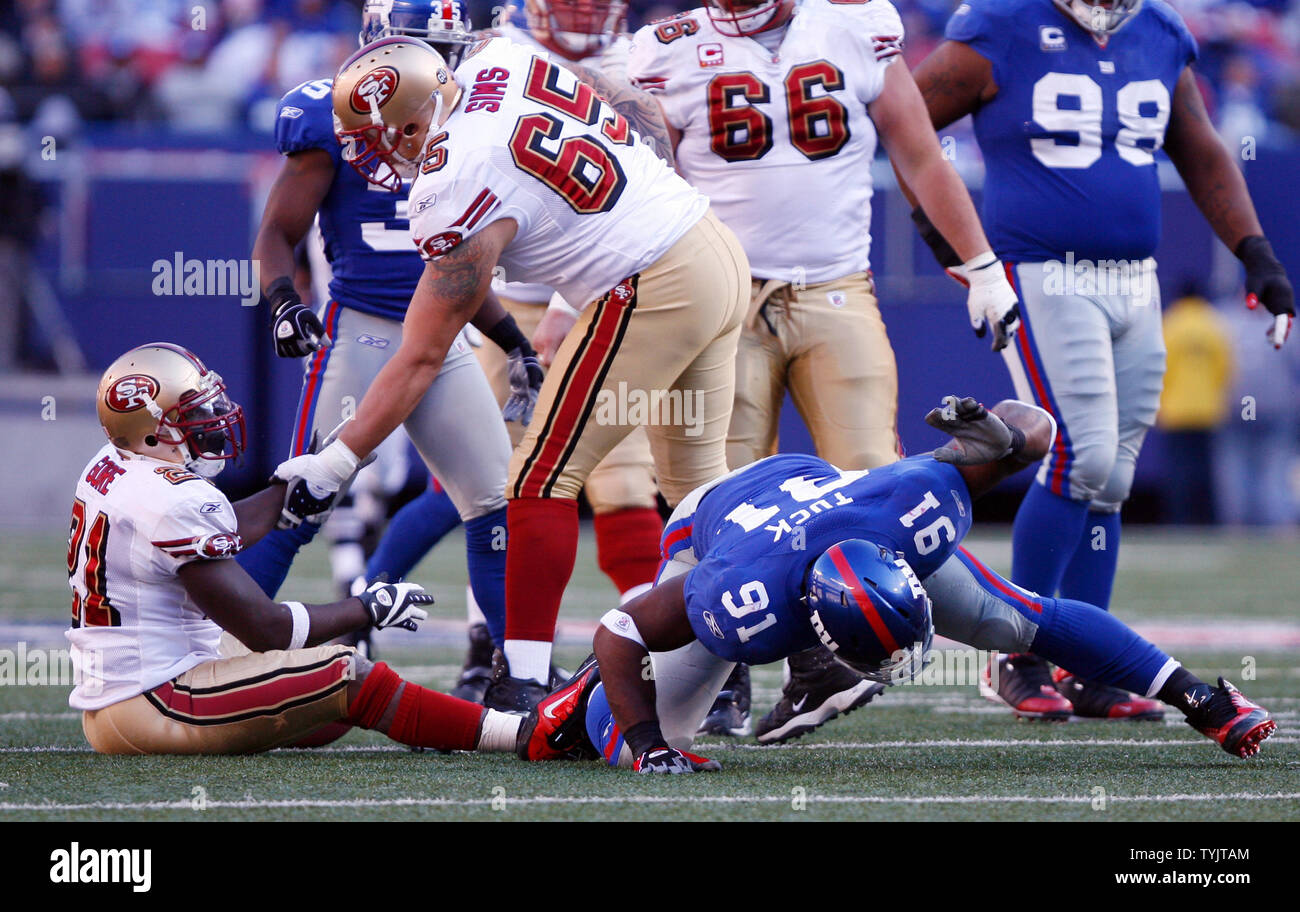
[1227, 717]
[1024, 682]
[556, 729]
[1093, 700]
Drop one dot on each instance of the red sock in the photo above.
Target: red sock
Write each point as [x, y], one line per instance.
[424, 718]
[541, 548]
[627, 545]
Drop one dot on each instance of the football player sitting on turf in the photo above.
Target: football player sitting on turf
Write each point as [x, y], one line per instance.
[153, 587]
[790, 551]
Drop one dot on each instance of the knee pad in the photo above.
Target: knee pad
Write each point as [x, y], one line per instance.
[1091, 466]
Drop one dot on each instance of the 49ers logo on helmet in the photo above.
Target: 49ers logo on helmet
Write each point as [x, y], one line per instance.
[128, 394]
[378, 86]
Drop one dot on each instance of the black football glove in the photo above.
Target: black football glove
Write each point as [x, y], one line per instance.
[298, 332]
[395, 604]
[1267, 284]
[673, 762]
[979, 436]
[526, 376]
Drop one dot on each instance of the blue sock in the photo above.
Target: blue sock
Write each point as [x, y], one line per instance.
[485, 555]
[1096, 645]
[412, 533]
[268, 561]
[601, 727]
[1091, 573]
[1044, 538]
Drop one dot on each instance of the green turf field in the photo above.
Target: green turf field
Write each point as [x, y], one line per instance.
[1222, 604]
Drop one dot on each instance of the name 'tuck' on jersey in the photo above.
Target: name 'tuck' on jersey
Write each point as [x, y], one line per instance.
[365, 228]
[759, 531]
[1069, 138]
[529, 142]
[781, 141]
[135, 522]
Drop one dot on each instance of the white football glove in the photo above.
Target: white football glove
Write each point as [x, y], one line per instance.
[315, 479]
[395, 604]
[991, 300]
[979, 436]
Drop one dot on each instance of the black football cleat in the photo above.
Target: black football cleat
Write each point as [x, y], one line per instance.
[818, 689]
[1093, 700]
[556, 729]
[1226, 716]
[476, 674]
[1024, 682]
[730, 715]
[512, 695]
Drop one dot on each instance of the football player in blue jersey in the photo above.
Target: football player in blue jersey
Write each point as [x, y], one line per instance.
[791, 551]
[375, 271]
[1072, 100]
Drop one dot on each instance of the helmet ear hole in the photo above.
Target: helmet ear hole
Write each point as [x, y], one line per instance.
[150, 440]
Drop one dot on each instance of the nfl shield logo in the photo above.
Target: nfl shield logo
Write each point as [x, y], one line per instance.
[837, 299]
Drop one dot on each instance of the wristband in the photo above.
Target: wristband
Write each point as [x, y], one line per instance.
[281, 294]
[644, 736]
[1256, 252]
[507, 336]
[301, 624]
[1017, 440]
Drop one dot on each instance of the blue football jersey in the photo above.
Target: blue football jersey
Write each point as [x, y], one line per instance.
[367, 236]
[757, 534]
[1068, 139]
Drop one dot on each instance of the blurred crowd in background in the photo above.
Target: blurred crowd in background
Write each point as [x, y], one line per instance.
[214, 64]
[217, 67]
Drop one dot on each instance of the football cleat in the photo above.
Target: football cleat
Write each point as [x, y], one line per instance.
[730, 713]
[556, 729]
[476, 674]
[1025, 684]
[1227, 717]
[512, 695]
[1093, 700]
[818, 689]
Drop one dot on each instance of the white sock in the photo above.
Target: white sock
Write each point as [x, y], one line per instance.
[473, 613]
[498, 731]
[529, 659]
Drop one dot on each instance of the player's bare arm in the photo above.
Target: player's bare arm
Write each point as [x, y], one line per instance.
[257, 513]
[299, 188]
[449, 294]
[900, 117]
[954, 80]
[640, 108]
[1219, 190]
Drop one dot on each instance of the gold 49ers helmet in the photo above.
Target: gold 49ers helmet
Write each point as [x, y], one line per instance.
[160, 400]
[385, 97]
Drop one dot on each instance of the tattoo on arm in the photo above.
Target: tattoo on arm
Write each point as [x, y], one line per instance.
[456, 276]
[638, 106]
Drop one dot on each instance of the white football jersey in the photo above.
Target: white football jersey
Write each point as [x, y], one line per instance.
[780, 141]
[611, 60]
[135, 522]
[529, 142]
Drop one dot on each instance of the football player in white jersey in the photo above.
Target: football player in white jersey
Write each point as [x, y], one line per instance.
[153, 589]
[621, 488]
[522, 165]
[775, 109]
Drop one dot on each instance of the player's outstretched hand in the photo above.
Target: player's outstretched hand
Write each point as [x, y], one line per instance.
[315, 479]
[1267, 284]
[672, 761]
[525, 373]
[978, 435]
[395, 604]
[297, 330]
[991, 301]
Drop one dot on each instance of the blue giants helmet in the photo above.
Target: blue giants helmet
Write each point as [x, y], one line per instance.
[442, 23]
[868, 607]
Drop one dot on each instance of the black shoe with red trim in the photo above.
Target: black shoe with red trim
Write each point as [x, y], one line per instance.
[556, 729]
[1093, 700]
[1024, 682]
[1226, 716]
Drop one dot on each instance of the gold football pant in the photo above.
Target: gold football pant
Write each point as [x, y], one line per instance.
[827, 344]
[658, 349]
[241, 705]
[623, 479]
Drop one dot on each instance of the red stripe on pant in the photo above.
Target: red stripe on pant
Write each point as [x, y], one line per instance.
[311, 385]
[264, 698]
